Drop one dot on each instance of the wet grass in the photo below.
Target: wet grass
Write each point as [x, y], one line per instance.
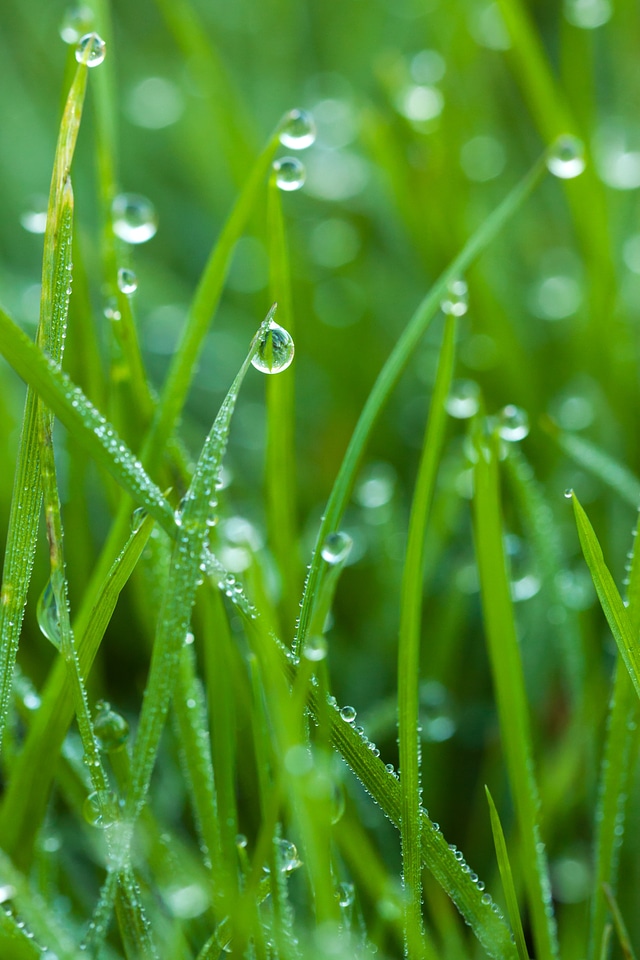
[313, 658]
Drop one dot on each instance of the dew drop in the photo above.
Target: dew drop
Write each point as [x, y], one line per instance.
[100, 809]
[456, 301]
[127, 281]
[565, 157]
[275, 351]
[111, 729]
[315, 648]
[241, 841]
[568, 494]
[48, 615]
[287, 856]
[463, 400]
[76, 22]
[91, 50]
[513, 423]
[587, 14]
[348, 714]
[336, 547]
[223, 935]
[345, 894]
[298, 130]
[137, 519]
[290, 173]
[134, 218]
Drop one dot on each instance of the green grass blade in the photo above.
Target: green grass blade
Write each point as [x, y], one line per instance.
[621, 929]
[610, 600]
[409, 647]
[507, 879]
[508, 679]
[391, 372]
[15, 941]
[28, 789]
[600, 464]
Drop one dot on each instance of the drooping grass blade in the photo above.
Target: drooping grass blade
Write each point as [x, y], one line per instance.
[507, 879]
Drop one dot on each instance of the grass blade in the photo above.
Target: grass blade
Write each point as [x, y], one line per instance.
[621, 930]
[508, 678]
[507, 878]
[409, 647]
[391, 372]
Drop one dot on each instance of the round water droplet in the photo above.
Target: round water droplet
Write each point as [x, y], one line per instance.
[389, 768]
[100, 809]
[134, 218]
[76, 22]
[298, 130]
[287, 856]
[568, 493]
[463, 400]
[565, 158]
[289, 173]
[348, 714]
[241, 841]
[587, 14]
[110, 728]
[336, 547]
[275, 351]
[127, 281]
[315, 648]
[91, 50]
[345, 894]
[456, 300]
[513, 423]
[48, 615]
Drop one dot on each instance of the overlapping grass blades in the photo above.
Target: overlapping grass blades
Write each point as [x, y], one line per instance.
[507, 879]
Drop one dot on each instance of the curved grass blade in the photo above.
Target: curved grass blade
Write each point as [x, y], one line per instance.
[610, 600]
[391, 372]
[409, 647]
[508, 679]
[507, 878]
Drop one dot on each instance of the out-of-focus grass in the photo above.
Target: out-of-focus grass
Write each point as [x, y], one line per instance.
[428, 115]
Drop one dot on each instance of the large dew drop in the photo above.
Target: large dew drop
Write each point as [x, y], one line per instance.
[565, 158]
[275, 351]
[48, 615]
[513, 423]
[127, 281]
[289, 173]
[91, 50]
[134, 218]
[110, 728]
[463, 400]
[298, 130]
[336, 547]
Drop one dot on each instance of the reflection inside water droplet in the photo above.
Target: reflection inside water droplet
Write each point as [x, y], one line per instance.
[91, 50]
[134, 218]
[275, 351]
[298, 130]
[336, 547]
[289, 173]
[565, 157]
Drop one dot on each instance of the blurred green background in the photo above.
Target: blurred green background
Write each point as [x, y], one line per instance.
[427, 114]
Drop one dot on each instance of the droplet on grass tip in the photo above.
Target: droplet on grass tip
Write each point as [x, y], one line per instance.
[565, 157]
[463, 400]
[290, 173]
[111, 729]
[91, 50]
[134, 218]
[336, 547]
[48, 615]
[456, 300]
[513, 423]
[127, 281]
[275, 351]
[298, 130]
[568, 494]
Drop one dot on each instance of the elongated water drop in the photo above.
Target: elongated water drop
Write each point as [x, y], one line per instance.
[463, 400]
[565, 157]
[456, 300]
[110, 728]
[290, 173]
[91, 50]
[134, 218]
[137, 518]
[127, 281]
[336, 547]
[275, 351]
[48, 615]
[513, 423]
[298, 130]
[76, 23]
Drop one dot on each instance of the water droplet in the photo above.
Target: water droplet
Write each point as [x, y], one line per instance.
[298, 130]
[315, 648]
[568, 494]
[463, 400]
[91, 50]
[565, 158]
[241, 841]
[587, 14]
[348, 714]
[137, 519]
[456, 300]
[345, 894]
[127, 281]
[48, 615]
[110, 728]
[100, 809]
[513, 423]
[34, 220]
[275, 351]
[223, 935]
[76, 22]
[290, 173]
[287, 856]
[389, 768]
[336, 547]
[134, 218]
